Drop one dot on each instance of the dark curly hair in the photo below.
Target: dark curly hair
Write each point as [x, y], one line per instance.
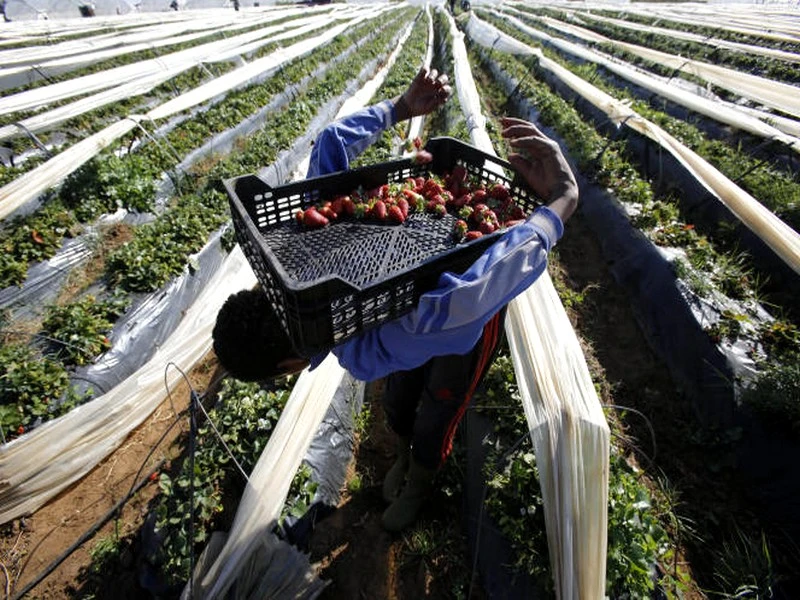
[249, 340]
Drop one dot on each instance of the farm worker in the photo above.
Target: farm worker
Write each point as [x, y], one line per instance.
[435, 356]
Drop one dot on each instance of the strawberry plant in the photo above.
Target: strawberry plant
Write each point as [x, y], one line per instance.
[79, 329]
[30, 384]
[636, 541]
[160, 250]
[245, 415]
[32, 238]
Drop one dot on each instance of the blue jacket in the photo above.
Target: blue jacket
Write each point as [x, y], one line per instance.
[450, 318]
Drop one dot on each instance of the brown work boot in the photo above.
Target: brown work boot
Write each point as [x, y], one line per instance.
[403, 511]
[396, 475]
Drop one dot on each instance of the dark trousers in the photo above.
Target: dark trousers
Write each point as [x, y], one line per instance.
[426, 404]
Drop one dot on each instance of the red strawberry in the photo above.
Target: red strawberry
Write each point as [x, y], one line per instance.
[516, 212]
[402, 203]
[461, 200]
[420, 183]
[431, 188]
[337, 205]
[396, 214]
[378, 210]
[439, 210]
[313, 219]
[478, 196]
[487, 227]
[348, 206]
[328, 212]
[299, 216]
[499, 191]
[472, 235]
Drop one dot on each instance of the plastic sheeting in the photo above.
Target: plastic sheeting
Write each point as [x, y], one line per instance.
[160, 33]
[37, 466]
[782, 96]
[142, 84]
[701, 39]
[29, 186]
[704, 106]
[185, 59]
[570, 436]
[782, 239]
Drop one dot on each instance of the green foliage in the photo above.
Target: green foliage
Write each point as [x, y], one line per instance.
[301, 493]
[29, 385]
[744, 569]
[775, 394]
[109, 182]
[636, 541]
[80, 327]
[160, 249]
[32, 238]
[245, 416]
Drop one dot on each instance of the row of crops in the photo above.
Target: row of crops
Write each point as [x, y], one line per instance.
[101, 264]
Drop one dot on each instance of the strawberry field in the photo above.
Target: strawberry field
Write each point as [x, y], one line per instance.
[677, 280]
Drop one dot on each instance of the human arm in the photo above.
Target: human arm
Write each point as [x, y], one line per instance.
[344, 140]
[450, 319]
[543, 166]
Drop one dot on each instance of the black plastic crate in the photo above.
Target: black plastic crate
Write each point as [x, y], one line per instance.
[329, 284]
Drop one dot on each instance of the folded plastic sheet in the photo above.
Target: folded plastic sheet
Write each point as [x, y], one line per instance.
[187, 58]
[141, 84]
[32, 184]
[781, 238]
[570, 436]
[701, 39]
[273, 569]
[37, 466]
[778, 95]
[151, 36]
[710, 108]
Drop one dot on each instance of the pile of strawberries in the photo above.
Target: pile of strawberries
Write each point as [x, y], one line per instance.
[479, 209]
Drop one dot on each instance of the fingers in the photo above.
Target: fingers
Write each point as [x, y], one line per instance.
[517, 128]
[536, 147]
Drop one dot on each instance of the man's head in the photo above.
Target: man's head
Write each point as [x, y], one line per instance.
[249, 340]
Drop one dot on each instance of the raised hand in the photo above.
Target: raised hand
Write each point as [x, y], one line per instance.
[542, 164]
[428, 91]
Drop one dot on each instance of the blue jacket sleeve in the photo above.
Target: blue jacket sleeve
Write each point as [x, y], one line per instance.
[343, 140]
[450, 319]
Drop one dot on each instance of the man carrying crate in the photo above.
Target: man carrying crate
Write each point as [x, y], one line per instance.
[434, 357]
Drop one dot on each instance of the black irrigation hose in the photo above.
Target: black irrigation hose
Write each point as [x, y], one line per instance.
[115, 511]
[89, 534]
